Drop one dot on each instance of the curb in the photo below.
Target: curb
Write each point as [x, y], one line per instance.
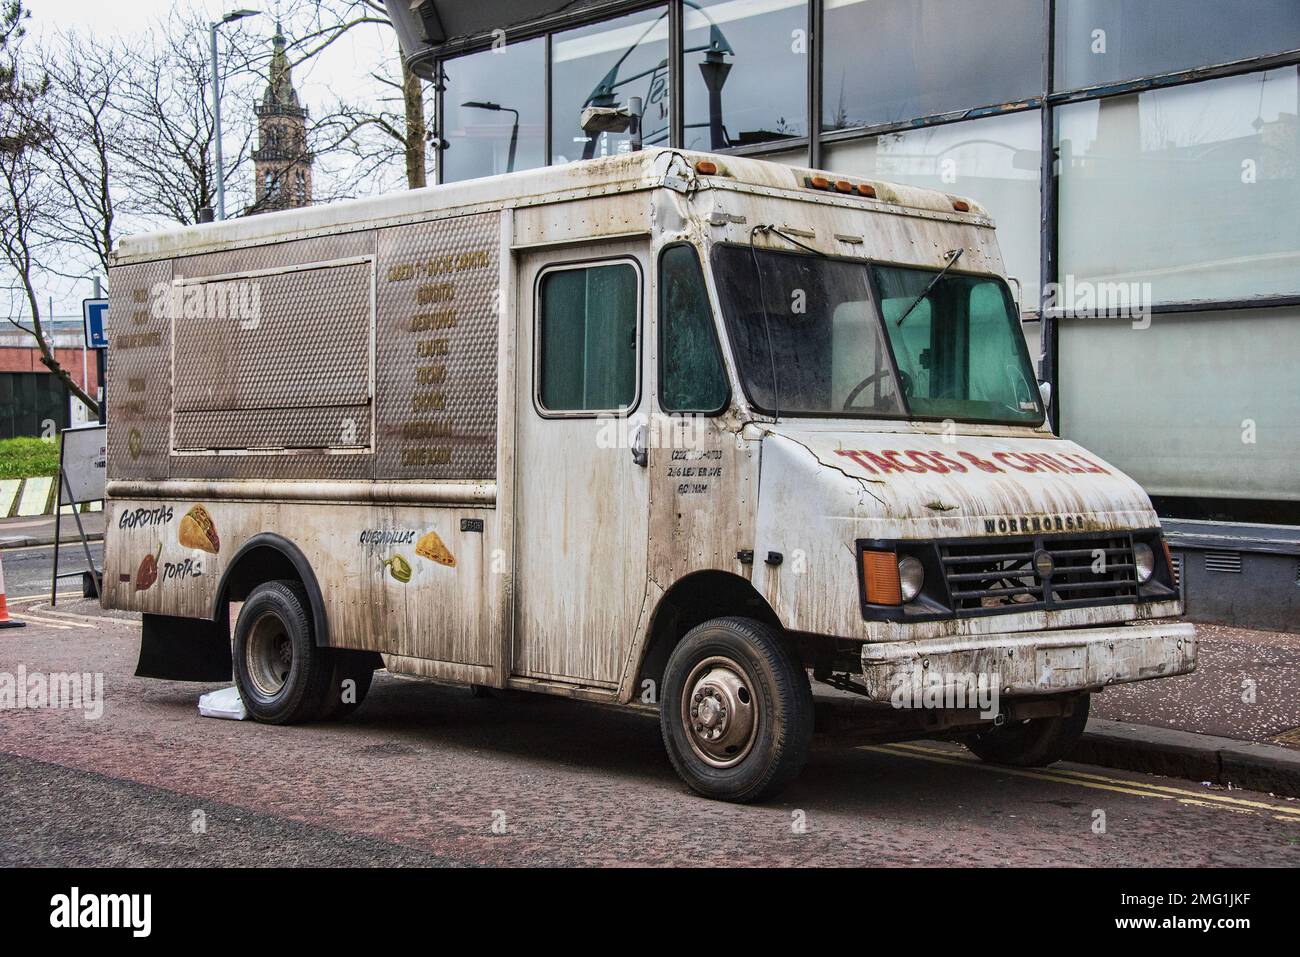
[1185, 754]
[28, 541]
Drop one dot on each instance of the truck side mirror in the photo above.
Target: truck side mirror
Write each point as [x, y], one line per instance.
[1045, 390]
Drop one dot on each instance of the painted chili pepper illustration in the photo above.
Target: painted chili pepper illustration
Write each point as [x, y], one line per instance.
[147, 573]
[399, 568]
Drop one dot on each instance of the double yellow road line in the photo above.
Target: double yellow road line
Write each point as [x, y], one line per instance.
[1085, 779]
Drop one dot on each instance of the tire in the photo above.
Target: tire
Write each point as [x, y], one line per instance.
[355, 666]
[282, 676]
[1034, 743]
[754, 737]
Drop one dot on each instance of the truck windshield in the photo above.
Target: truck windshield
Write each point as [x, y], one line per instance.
[809, 342]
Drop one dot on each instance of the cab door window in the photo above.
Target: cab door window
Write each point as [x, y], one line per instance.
[587, 330]
[692, 377]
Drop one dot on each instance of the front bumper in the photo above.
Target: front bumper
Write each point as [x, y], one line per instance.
[1033, 662]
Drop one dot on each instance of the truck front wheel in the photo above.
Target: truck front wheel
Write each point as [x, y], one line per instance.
[1034, 743]
[282, 676]
[736, 711]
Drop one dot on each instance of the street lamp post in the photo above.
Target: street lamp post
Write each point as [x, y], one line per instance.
[230, 17]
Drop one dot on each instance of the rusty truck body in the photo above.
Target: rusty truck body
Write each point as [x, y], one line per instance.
[663, 430]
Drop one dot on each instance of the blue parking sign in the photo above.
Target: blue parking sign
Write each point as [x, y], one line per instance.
[94, 316]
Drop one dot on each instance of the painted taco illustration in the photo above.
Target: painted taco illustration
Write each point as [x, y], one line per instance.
[198, 531]
[430, 546]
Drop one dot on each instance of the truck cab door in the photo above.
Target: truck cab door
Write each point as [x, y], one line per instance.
[581, 521]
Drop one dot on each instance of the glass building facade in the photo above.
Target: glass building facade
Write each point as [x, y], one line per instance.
[1140, 148]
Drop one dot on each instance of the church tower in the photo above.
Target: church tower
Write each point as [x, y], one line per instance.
[281, 163]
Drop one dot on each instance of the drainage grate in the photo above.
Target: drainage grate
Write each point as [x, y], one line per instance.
[1228, 562]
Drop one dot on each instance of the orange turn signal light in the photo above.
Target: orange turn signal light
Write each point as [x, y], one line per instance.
[880, 576]
[706, 167]
[819, 182]
[866, 189]
[844, 186]
[961, 205]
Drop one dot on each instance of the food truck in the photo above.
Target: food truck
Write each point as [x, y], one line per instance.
[671, 431]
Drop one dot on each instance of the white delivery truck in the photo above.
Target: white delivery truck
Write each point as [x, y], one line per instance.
[663, 430]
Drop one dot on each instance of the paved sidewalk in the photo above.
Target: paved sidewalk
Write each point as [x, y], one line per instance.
[1234, 722]
[1246, 686]
[39, 529]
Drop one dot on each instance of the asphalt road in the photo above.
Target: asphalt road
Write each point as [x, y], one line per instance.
[425, 774]
[27, 570]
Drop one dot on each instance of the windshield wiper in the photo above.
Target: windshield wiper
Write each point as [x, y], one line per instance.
[953, 256]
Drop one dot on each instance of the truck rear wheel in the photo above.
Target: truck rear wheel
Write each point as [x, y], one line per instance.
[1034, 743]
[282, 676]
[736, 711]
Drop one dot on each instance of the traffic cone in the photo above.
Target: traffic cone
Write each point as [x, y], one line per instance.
[5, 620]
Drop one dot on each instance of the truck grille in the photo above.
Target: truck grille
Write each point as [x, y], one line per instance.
[997, 574]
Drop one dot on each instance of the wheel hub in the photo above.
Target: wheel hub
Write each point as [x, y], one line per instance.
[719, 712]
[269, 655]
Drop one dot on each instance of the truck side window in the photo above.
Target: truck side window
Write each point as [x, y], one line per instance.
[691, 375]
[587, 338]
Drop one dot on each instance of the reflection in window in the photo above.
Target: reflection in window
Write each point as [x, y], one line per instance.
[746, 71]
[822, 354]
[893, 60]
[604, 65]
[495, 111]
[587, 338]
[1194, 189]
[994, 160]
[1106, 41]
[691, 376]
[958, 350]
[1212, 369]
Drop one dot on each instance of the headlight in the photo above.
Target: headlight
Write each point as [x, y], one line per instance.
[911, 576]
[1145, 560]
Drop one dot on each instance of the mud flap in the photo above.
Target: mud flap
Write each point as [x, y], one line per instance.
[185, 649]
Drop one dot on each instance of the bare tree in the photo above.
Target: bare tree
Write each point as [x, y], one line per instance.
[374, 134]
[164, 149]
[85, 80]
[27, 187]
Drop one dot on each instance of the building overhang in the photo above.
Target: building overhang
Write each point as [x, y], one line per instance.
[429, 30]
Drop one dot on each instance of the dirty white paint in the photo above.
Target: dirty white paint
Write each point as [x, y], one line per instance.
[578, 543]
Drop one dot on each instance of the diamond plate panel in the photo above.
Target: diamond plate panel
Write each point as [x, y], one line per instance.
[437, 349]
[276, 255]
[337, 427]
[298, 340]
[139, 369]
